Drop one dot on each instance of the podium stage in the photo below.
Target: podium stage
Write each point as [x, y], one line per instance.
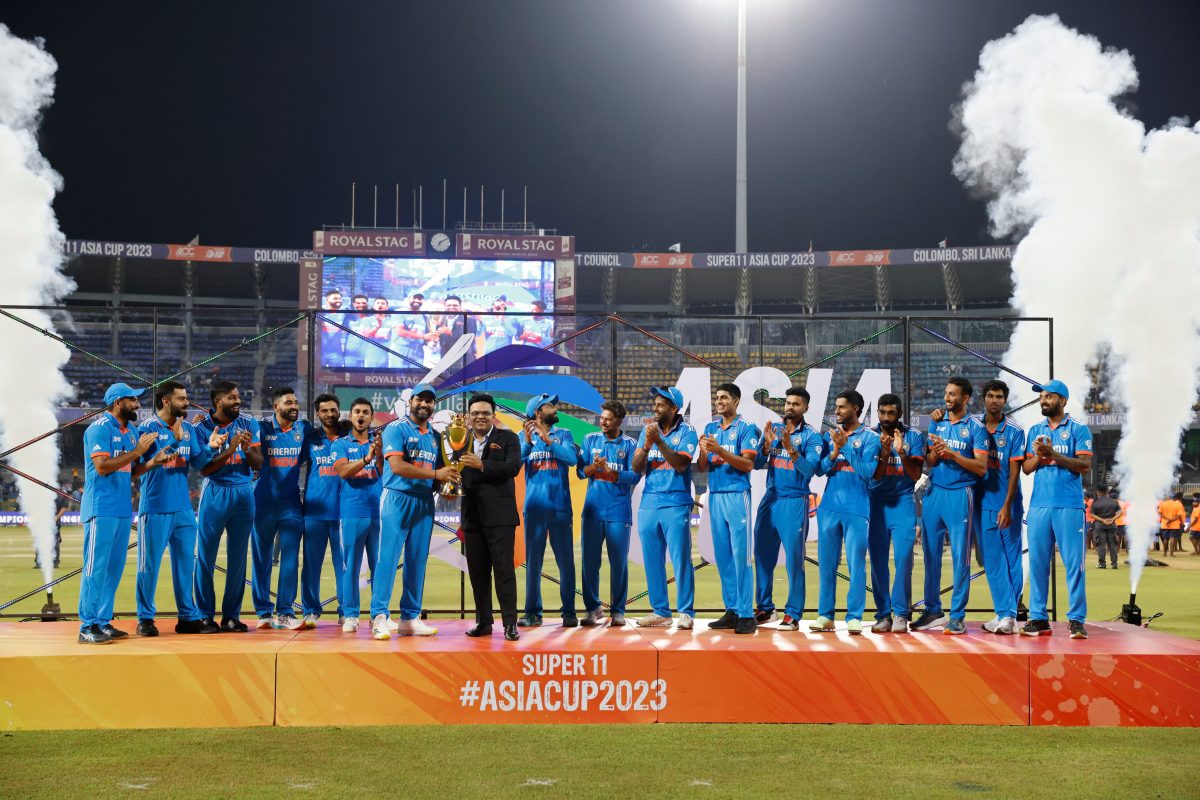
[1122, 675]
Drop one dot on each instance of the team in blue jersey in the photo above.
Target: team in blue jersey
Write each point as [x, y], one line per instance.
[367, 494]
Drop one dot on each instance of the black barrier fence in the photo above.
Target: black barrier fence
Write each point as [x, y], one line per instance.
[376, 354]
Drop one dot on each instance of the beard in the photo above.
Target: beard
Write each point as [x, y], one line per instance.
[550, 419]
[420, 413]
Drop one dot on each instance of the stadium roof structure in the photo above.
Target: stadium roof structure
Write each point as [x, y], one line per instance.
[957, 279]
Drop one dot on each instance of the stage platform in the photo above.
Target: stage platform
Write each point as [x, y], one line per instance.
[1122, 675]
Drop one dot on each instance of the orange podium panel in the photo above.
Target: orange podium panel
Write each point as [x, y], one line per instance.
[1121, 675]
[48, 681]
[778, 676]
[552, 674]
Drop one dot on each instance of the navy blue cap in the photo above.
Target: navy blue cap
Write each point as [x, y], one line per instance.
[1057, 387]
[120, 390]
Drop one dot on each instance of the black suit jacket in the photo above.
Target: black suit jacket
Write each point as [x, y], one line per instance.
[489, 496]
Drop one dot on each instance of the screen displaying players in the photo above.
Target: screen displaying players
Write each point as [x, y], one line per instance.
[417, 308]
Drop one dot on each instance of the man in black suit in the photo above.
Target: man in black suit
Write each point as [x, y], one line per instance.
[489, 516]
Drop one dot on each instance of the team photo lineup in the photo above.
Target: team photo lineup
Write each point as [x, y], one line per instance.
[283, 487]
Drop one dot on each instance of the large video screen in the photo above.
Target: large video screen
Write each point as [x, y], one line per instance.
[417, 308]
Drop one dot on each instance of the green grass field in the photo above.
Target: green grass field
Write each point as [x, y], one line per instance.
[1173, 590]
[605, 762]
[608, 762]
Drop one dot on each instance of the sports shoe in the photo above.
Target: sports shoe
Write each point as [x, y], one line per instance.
[529, 621]
[341, 620]
[745, 625]
[287, 622]
[654, 621]
[992, 625]
[1077, 630]
[1022, 612]
[415, 627]
[206, 625]
[955, 627]
[900, 625]
[1037, 627]
[350, 625]
[616, 621]
[788, 624]
[115, 633]
[1100, 565]
[854, 627]
[592, 618]
[763, 617]
[929, 622]
[1007, 627]
[266, 622]
[393, 625]
[686, 622]
[728, 621]
[882, 625]
[146, 627]
[379, 628]
[822, 625]
[570, 621]
[310, 621]
[233, 625]
[93, 635]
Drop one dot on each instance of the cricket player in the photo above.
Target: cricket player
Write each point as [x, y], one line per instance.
[1002, 509]
[728, 450]
[322, 512]
[358, 460]
[606, 462]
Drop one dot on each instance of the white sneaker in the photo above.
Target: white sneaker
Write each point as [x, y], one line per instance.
[266, 622]
[1007, 626]
[350, 625]
[822, 625]
[992, 625]
[685, 622]
[341, 621]
[415, 627]
[287, 622]
[393, 625]
[379, 627]
[310, 621]
[654, 621]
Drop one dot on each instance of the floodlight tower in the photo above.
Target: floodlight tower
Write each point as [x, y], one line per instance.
[740, 179]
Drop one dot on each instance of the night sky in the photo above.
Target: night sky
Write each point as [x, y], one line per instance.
[246, 123]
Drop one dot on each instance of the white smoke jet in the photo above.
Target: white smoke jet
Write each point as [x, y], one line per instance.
[1110, 216]
[31, 244]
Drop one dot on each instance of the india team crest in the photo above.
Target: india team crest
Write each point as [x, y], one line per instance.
[1064, 435]
[858, 442]
[962, 434]
[621, 454]
[1000, 442]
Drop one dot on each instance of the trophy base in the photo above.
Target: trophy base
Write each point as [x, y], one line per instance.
[451, 491]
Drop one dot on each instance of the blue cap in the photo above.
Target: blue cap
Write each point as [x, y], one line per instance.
[424, 388]
[1058, 387]
[537, 402]
[120, 390]
[669, 393]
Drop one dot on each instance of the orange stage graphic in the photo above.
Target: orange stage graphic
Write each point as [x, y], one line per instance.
[1121, 676]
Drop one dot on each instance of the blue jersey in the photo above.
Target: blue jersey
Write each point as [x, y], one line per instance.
[406, 340]
[165, 488]
[333, 339]
[609, 498]
[356, 347]
[360, 492]
[497, 333]
[538, 332]
[849, 473]
[421, 447]
[108, 495]
[235, 471]
[322, 486]
[283, 454]
[1055, 486]
[895, 481]
[1006, 449]
[967, 438]
[785, 477]
[666, 488]
[548, 471]
[739, 437]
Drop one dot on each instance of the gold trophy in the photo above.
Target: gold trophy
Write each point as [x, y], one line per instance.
[454, 444]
